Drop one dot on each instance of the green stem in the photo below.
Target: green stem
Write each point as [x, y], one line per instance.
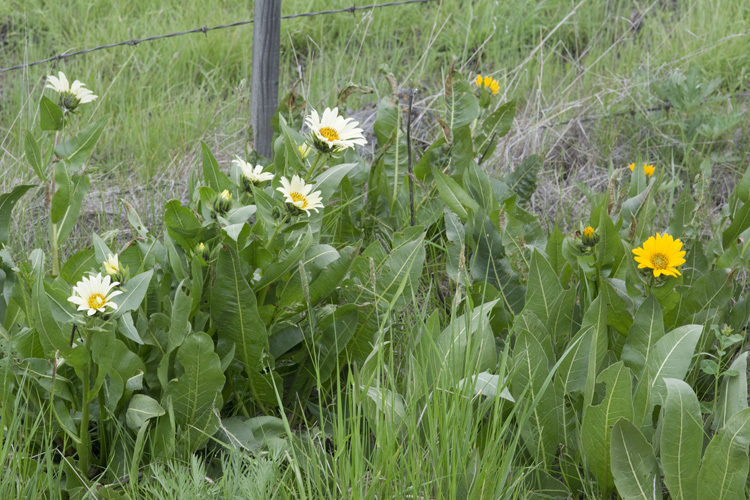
[84, 450]
[277, 230]
[315, 166]
[102, 435]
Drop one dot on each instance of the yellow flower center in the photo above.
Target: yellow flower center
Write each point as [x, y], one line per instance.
[329, 133]
[295, 196]
[588, 232]
[96, 300]
[660, 261]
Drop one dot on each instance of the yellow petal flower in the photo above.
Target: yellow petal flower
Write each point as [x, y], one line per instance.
[478, 81]
[648, 170]
[661, 253]
[631, 166]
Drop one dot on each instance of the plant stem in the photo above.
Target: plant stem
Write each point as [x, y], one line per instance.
[84, 450]
[277, 230]
[102, 435]
[315, 166]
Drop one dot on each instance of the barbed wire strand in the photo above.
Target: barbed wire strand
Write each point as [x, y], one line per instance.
[135, 41]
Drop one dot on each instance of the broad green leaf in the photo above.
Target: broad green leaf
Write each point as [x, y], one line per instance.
[634, 466]
[384, 407]
[50, 115]
[7, 202]
[710, 291]
[212, 175]
[671, 356]
[34, 156]
[81, 262]
[179, 326]
[683, 211]
[724, 469]
[101, 249]
[497, 124]
[466, 343]
[543, 288]
[289, 261]
[578, 370]
[733, 395]
[461, 106]
[182, 224]
[141, 409]
[336, 330]
[560, 321]
[133, 293]
[67, 201]
[740, 222]
[77, 150]
[681, 440]
[522, 180]
[328, 181]
[454, 195]
[618, 312]
[487, 384]
[52, 338]
[541, 433]
[599, 419]
[609, 242]
[197, 392]
[253, 433]
[647, 329]
[234, 312]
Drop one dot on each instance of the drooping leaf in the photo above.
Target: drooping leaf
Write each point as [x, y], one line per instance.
[733, 395]
[598, 421]
[681, 440]
[725, 464]
[50, 115]
[671, 356]
[7, 202]
[454, 195]
[133, 293]
[543, 288]
[182, 224]
[647, 329]
[212, 175]
[197, 392]
[634, 467]
[34, 156]
[142, 408]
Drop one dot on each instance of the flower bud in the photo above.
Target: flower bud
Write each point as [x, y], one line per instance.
[223, 202]
[589, 237]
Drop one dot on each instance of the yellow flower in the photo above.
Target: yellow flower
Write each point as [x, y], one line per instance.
[495, 86]
[588, 232]
[647, 169]
[478, 81]
[662, 253]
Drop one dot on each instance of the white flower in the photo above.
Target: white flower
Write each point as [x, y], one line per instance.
[297, 193]
[112, 264]
[252, 174]
[70, 95]
[304, 150]
[257, 275]
[94, 294]
[332, 132]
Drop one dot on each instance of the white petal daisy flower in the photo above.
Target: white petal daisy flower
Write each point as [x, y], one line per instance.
[332, 132]
[70, 95]
[297, 194]
[112, 264]
[251, 175]
[94, 293]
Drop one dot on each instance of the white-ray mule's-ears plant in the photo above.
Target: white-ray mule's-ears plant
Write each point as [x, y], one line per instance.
[223, 202]
[115, 269]
[251, 175]
[331, 132]
[94, 294]
[298, 196]
[70, 95]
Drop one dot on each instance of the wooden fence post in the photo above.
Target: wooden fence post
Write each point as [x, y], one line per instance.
[264, 90]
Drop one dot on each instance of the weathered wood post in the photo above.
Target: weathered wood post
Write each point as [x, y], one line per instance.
[264, 90]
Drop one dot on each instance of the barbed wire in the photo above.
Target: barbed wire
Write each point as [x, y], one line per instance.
[135, 41]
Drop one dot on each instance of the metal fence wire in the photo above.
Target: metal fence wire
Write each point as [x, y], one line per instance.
[205, 29]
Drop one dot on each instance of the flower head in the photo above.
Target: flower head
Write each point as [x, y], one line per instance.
[490, 83]
[94, 293]
[70, 95]
[223, 202]
[251, 175]
[304, 150]
[589, 237]
[297, 194]
[662, 253]
[112, 264]
[647, 169]
[332, 133]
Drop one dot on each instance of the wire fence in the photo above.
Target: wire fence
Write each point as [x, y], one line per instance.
[205, 29]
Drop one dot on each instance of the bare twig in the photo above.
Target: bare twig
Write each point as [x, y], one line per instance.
[409, 155]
